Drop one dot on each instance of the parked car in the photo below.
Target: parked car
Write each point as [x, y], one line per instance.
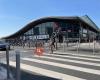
[3, 45]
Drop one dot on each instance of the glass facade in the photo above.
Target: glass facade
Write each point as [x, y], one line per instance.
[43, 31]
[68, 29]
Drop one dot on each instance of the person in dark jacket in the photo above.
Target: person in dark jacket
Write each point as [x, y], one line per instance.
[53, 39]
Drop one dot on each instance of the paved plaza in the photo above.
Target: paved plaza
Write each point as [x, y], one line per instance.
[61, 65]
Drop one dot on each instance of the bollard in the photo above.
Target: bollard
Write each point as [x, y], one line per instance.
[78, 45]
[64, 43]
[51, 49]
[94, 47]
[7, 60]
[56, 46]
[17, 65]
[89, 43]
[51, 46]
[67, 42]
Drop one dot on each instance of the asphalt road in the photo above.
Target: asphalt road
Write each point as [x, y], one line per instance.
[61, 65]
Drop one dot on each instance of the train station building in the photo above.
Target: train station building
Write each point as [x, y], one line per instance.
[70, 27]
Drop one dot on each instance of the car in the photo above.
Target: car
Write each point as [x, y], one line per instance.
[3, 45]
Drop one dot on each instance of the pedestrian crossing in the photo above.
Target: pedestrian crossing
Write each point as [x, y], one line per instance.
[83, 55]
[63, 67]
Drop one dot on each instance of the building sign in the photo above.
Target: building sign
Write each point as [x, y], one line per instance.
[40, 36]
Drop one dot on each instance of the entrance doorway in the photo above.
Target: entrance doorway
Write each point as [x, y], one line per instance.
[60, 38]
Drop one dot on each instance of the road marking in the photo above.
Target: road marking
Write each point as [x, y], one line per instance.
[95, 56]
[24, 51]
[66, 56]
[68, 60]
[46, 72]
[1, 52]
[87, 70]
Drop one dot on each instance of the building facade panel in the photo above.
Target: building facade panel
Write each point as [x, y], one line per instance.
[68, 28]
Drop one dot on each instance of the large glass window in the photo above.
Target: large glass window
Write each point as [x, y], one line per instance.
[36, 30]
[84, 30]
[63, 26]
[49, 28]
[85, 33]
[42, 29]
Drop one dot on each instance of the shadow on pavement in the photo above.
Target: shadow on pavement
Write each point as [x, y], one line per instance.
[25, 75]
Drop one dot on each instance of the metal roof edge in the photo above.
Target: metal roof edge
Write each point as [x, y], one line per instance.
[93, 25]
[53, 17]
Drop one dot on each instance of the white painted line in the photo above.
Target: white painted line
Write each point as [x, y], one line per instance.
[68, 60]
[87, 55]
[66, 56]
[87, 70]
[46, 72]
[23, 51]
[2, 52]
